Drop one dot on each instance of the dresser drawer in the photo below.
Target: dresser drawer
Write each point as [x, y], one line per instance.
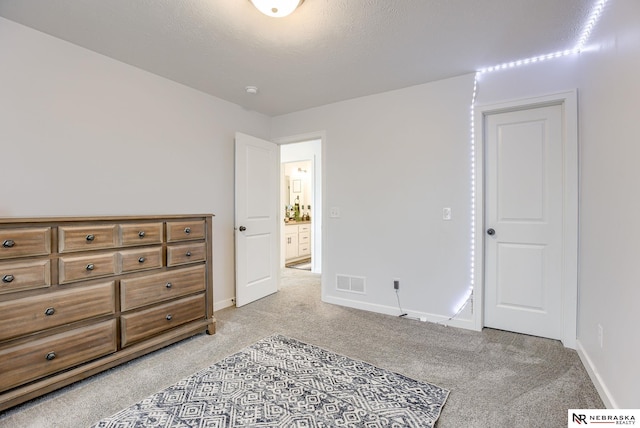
[37, 313]
[41, 357]
[141, 234]
[137, 292]
[81, 238]
[25, 242]
[17, 276]
[141, 259]
[149, 322]
[185, 230]
[186, 253]
[76, 268]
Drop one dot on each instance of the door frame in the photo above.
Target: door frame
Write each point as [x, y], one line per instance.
[569, 104]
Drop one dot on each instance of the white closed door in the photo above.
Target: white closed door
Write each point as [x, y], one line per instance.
[523, 221]
[257, 173]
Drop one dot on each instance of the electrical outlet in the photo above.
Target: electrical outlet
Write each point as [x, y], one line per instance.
[446, 213]
[396, 284]
[600, 336]
[334, 212]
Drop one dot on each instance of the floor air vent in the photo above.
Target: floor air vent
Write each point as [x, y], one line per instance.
[352, 284]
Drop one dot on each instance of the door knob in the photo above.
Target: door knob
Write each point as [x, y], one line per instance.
[242, 228]
[491, 232]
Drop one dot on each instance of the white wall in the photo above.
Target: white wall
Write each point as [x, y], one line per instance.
[606, 76]
[392, 162]
[610, 232]
[82, 134]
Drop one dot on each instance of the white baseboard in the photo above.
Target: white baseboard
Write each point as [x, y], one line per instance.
[218, 305]
[602, 389]
[411, 315]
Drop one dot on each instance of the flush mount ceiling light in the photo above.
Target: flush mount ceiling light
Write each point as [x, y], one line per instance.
[276, 8]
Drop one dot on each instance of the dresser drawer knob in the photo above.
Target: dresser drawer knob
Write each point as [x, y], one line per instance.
[50, 356]
[90, 237]
[8, 278]
[8, 243]
[188, 254]
[141, 234]
[49, 311]
[187, 230]
[169, 317]
[169, 285]
[90, 266]
[141, 260]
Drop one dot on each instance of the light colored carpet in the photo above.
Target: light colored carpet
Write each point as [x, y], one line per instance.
[281, 382]
[497, 379]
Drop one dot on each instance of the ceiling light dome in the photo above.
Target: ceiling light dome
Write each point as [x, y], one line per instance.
[276, 8]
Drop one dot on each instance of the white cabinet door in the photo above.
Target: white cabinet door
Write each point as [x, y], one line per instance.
[291, 242]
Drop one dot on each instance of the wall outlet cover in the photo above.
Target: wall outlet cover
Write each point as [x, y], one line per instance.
[446, 213]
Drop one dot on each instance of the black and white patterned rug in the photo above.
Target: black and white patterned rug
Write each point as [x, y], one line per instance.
[282, 382]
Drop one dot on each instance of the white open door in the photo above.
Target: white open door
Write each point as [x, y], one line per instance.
[257, 173]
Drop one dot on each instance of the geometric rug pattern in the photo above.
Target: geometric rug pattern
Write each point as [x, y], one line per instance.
[282, 382]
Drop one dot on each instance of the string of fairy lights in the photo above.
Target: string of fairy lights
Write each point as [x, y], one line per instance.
[579, 47]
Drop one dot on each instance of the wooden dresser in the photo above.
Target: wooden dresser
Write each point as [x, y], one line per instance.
[81, 295]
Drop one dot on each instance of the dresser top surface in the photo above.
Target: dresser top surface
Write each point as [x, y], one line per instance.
[63, 219]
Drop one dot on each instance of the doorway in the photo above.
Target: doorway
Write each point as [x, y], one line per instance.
[259, 224]
[297, 192]
[301, 204]
[528, 240]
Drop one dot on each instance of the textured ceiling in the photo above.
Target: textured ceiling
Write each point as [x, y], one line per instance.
[326, 51]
